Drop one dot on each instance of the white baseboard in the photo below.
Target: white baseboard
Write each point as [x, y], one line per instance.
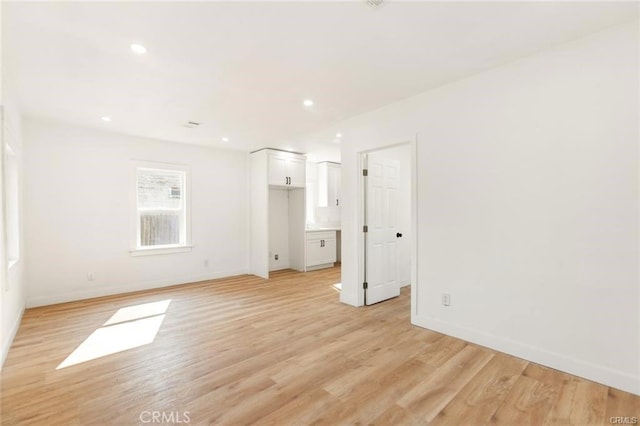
[71, 296]
[316, 267]
[581, 368]
[279, 267]
[12, 335]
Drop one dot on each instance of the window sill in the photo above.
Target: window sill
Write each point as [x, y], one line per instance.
[160, 250]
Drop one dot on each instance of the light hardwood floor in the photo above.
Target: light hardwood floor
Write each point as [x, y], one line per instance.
[245, 350]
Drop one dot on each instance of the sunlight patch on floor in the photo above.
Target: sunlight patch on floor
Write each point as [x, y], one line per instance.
[128, 328]
[143, 310]
[337, 287]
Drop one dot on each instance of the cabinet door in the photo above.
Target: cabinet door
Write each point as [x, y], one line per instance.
[333, 186]
[314, 252]
[278, 170]
[319, 253]
[329, 254]
[295, 171]
[338, 185]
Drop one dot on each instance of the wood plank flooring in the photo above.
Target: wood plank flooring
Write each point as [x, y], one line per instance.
[244, 350]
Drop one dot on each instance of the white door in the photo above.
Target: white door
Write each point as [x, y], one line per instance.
[382, 234]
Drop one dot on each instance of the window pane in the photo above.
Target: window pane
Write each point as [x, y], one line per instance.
[160, 207]
[159, 189]
[13, 214]
[159, 228]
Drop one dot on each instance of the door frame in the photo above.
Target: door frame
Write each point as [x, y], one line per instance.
[413, 161]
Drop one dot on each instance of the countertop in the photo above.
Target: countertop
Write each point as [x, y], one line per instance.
[320, 229]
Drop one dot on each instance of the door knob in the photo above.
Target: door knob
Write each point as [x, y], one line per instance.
[398, 235]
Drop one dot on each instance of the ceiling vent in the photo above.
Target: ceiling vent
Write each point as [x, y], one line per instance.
[374, 3]
[191, 124]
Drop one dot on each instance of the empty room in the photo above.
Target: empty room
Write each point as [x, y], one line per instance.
[376, 212]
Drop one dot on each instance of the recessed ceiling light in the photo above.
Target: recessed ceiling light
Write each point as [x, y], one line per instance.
[105, 118]
[338, 135]
[138, 49]
[225, 139]
[307, 102]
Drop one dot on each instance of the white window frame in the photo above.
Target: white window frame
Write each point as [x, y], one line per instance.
[12, 206]
[185, 229]
[10, 197]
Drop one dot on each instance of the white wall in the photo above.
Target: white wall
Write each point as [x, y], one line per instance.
[527, 209]
[311, 187]
[259, 216]
[77, 189]
[278, 229]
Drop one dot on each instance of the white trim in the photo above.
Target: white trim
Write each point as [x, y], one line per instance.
[321, 266]
[157, 250]
[578, 367]
[11, 226]
[12, 335]
[73, 295]
[4, 271]
[414, 226]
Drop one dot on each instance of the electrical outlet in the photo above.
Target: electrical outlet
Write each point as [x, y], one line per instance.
[277, 257]
[90, 276]
[206, 263]
[446, 299]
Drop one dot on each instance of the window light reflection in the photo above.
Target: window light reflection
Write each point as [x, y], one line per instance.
[128, 328]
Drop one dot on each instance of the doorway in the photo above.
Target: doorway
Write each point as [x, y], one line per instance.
[388, 215]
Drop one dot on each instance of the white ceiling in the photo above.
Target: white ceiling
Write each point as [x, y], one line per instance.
[243, 69]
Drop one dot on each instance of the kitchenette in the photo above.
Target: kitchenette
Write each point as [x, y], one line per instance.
[295, 212]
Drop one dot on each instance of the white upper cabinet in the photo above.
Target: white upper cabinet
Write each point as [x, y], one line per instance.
[286, 169]
[328, 184]
[296, 171]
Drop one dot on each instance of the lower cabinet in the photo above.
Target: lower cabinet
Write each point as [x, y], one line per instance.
[321, 249]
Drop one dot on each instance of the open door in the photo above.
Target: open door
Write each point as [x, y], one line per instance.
[381, 224]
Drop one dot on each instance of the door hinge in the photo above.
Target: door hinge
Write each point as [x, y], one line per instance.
[365, 172]
[365, 228]
[365, 285]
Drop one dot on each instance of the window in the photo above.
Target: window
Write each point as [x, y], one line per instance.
[161, 208]
[10, 175]
[12, 213]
